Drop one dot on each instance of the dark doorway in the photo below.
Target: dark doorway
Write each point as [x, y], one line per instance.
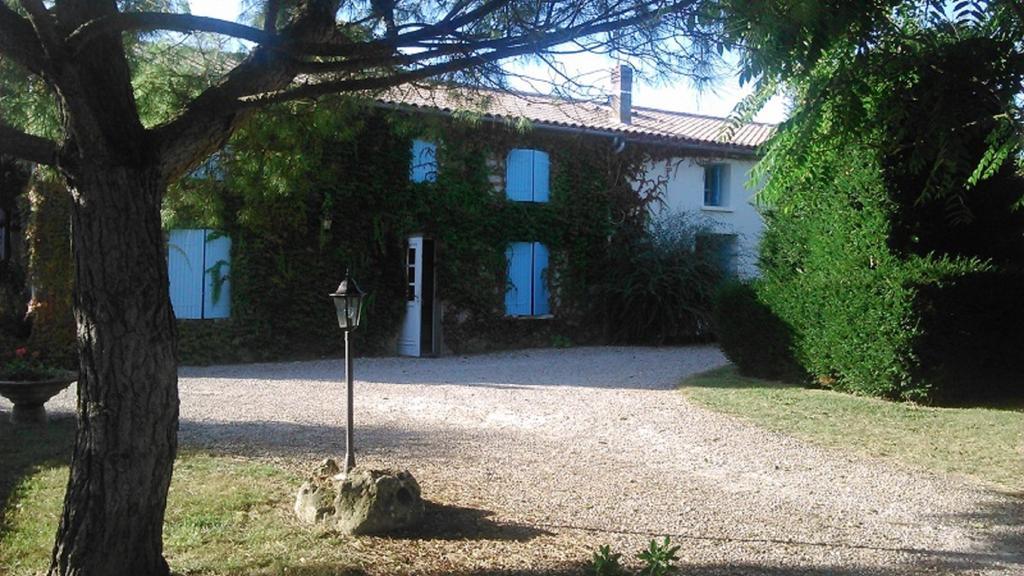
[427, 310]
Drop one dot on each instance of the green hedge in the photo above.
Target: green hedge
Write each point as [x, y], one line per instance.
[757, 341]
[894, 236]
[972, 343]
[866, 316]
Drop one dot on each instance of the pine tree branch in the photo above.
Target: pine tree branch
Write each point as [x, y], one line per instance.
[42, 22]
[474, 56]
[270, 16]
[18, 40]
[151, 21]
[267, 74]
[209, 119]
[36, 149]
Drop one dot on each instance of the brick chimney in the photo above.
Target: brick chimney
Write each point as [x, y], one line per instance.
[622, 93]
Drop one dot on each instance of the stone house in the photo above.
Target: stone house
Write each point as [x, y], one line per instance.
[705, 170]
[696, 163]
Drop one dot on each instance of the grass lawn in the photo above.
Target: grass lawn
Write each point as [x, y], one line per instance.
[984, 443]
[226, 515]
[230, 514]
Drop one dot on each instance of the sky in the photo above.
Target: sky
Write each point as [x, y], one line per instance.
[680, 97]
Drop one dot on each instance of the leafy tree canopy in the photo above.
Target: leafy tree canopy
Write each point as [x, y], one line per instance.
[937, 83]
[316, 48]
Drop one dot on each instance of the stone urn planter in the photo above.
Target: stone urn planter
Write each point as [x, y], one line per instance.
[28, 397]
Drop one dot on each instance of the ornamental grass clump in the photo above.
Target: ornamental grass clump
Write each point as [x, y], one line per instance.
[658, 286]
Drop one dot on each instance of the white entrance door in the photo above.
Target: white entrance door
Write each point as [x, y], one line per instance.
[409, 340]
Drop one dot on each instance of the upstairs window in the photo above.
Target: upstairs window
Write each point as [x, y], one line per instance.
[527, 294]
[423, 167]
[527, 176]
[715, 185]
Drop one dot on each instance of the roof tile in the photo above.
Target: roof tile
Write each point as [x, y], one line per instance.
[679, 127]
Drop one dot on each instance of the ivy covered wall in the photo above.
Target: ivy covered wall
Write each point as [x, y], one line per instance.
[313, 190]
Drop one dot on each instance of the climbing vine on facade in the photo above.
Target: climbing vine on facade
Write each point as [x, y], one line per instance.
[312, 190]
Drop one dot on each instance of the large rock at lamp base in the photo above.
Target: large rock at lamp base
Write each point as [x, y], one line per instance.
[314, 503]
[377, 502]
[364, 501]
[315, 500]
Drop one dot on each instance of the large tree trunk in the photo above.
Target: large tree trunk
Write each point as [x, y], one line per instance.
[113, 516]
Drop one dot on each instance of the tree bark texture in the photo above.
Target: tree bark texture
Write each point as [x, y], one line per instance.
[128, 388]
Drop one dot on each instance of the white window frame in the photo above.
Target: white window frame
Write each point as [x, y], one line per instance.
[724, 201]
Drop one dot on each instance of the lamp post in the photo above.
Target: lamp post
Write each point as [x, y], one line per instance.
[348, 303]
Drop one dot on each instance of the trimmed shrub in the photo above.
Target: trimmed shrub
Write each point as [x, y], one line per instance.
[829, 276]
[752, 336]
[893, 223]
[869, 315]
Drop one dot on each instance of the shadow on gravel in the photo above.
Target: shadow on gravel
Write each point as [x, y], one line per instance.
[307, 569]
[990, 554]
[597, 367]
[443, 522]
[25, 449]
[1001, 527]
[744, 569]
[317, 441]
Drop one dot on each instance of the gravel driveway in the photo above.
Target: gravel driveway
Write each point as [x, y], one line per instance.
[572, 448]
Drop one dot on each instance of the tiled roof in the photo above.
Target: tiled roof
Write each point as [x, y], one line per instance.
[647, 123]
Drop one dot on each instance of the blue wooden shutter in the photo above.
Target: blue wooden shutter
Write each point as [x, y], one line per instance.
[217, 283]
[423, 167]
[185, 270]
[519, 175]
[520, 279]
[541, 176]
[541, 299]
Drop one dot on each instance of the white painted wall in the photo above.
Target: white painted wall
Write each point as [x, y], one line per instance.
[684, 192]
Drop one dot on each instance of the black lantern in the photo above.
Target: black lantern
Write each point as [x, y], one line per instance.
[348, 302]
